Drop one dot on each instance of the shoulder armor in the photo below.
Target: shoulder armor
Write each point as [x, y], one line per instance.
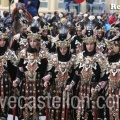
[43, 54]
[54, 58]
[102, 61]
[114, 68]
[79, 59]
[73, 61]
[16, 37]
[52, 61]
[49, 37]
[22, 53]
[10, 55]
[73, 58]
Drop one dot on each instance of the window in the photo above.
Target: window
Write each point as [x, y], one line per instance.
[99, 1]
[99, 6]
[44, 3]
[103, 1]
[61, 4]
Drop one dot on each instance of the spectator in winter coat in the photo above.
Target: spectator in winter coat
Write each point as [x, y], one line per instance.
[32, 6]
[112, 19]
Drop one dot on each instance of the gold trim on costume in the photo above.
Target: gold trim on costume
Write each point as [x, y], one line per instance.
[65, 43]
[3, 35]
[34, 36]
[101, 29]
[90, 39]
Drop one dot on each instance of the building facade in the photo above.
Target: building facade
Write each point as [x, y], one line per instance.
[52, 5]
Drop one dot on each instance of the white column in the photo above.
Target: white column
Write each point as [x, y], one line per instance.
[53, 5]
[4, 3]
[83, 7]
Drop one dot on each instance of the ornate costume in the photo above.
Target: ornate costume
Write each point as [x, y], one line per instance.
[101, 46]
[33, 61]
[7, 60]
[93, 77]
[76, 44]
[113, 90]
[19, 16]
[19, 42]
[48, 45]
[114, 80]
[46, 39]
[113, 51]
[61, 68]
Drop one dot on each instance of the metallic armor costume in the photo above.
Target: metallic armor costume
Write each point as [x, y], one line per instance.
[114, 90]
[62, 78]
[32, 82]
[5, 80]
[88, 82]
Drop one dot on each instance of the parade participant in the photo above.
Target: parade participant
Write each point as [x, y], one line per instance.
[60, 73]
[35, 4]
[113, 46]
[113, 51]
[32, 6]
[8, 60]
[85, 19]
[31, 69]
[89, 22]
[19, 41]
[56, 25]
[114, 82]
[71, 28]
[65, 21]
[76, 44]
[46, 39]
[93, 78]
[114, 34]
[19, 16]
[101, 46]
[113, 90]
[54, 29]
